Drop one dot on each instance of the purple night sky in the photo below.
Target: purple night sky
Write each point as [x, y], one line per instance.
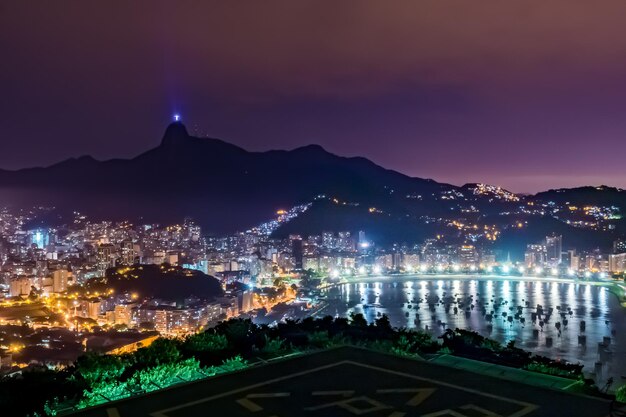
[529, 95]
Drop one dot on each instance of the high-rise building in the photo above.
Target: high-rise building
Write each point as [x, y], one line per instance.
[410, 260]
[554, 249]
[60, 280]
[328, 240]
[124, 313]
[535, 255]
[396, 260]
[39, 237]
[345, 242]
[245, 299]
[106, 256]
[93, 309]
[617, 262]
[619, 246]
[467, 255]
[19, 286]
[127, 250]
[574, 260]
[297, 252]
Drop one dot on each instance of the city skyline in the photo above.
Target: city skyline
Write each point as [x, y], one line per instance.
[431, 91]
[312, 208]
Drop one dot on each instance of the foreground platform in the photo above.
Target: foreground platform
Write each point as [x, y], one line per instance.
[349, 381]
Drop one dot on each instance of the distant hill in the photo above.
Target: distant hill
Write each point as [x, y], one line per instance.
[163, 281]
[222, 186]
[226, 188]
[601, 195]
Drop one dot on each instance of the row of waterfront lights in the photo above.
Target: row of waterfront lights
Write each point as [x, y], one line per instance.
[507, 269]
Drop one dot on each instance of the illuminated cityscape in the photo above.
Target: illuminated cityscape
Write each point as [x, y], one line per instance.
[61, 283]
[318, 209]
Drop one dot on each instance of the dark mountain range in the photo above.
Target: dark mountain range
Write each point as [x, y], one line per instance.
[600, 196]
[226, 188]
[220, 185]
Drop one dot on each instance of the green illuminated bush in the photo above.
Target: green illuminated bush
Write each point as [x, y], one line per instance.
[411, 342]
[403, 347]
[229, 365]
[274, 346]
[103, 392]
[155, 378]
[206, 342]
[319, 339]
[620, 394]
[379, 345]
[168, 374]
[95, 368]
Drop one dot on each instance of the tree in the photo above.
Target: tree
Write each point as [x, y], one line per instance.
[34, 293]
[237, 331]
[383, 324]
[357, 320]
[161, 351]
[94, 367]
[206, 342]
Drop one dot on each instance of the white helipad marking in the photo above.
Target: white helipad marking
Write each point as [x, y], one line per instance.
[346, 393]
[162, 413]
[251, 406]
[420, 394]
[526, 407]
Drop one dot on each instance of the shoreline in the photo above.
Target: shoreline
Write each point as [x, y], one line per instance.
[612, 286]
[618, 289]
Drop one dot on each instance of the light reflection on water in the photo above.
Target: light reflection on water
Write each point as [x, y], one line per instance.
[576, 302]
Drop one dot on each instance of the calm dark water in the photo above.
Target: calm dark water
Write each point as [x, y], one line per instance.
[432, 302]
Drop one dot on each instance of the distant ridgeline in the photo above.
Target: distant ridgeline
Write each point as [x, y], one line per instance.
[226, 188]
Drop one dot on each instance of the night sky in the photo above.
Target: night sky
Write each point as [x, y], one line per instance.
[529, 95]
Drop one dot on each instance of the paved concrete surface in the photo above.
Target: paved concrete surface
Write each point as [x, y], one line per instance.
[504, 372]
[350, 381]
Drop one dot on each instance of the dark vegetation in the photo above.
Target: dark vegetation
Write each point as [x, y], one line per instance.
[229, 346]
[158, 281]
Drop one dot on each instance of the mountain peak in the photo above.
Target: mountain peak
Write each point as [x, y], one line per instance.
[176, 132]
[312, 148]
